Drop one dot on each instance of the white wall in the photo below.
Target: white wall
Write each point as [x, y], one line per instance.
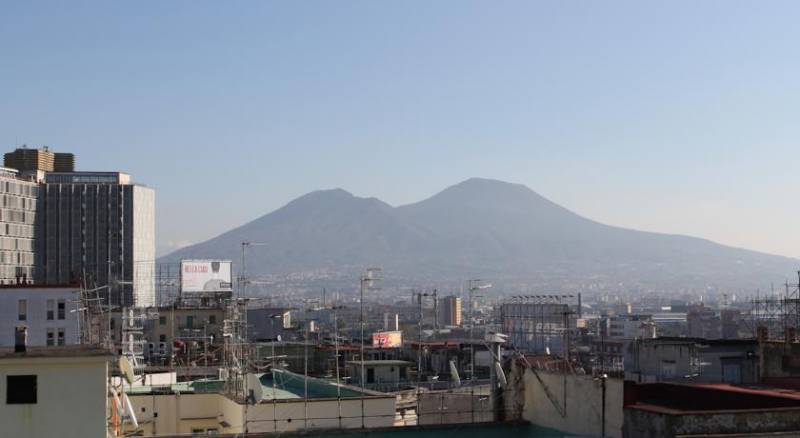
[583, 403]
[36, 321]
[71, 398]
[144, 246]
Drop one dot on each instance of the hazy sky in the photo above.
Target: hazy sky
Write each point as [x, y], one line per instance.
[679, 117]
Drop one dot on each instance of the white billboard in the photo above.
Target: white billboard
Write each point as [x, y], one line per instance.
[206, 276]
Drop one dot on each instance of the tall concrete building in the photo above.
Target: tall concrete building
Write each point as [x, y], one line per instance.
[18, 217]
[98, 228]
[451, 311]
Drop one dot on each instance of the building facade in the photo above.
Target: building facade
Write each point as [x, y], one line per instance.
[47, 312]
[99, 229]
[58, 391]
[33, 160]
[451, 311]
[62, 227]
[18, 220]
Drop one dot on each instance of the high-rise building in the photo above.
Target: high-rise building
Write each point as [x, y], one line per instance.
[60, 227]
[17, 227]
[98, 228]
[451, 310]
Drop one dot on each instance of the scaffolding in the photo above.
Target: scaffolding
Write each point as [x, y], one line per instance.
[540, 324]
[237, 349]
[776, 316]
[133, 342]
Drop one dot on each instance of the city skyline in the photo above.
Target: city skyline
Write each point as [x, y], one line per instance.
[673, 118]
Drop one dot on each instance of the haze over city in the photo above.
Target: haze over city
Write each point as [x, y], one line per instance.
[676, 117]
[408, 219]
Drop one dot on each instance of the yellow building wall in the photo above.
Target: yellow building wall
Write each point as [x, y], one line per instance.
[71, 398]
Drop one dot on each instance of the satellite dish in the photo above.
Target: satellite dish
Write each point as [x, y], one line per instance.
[126, 369]
[254, 389]
[454, 374]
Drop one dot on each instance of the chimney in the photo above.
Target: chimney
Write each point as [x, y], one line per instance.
[20, 339]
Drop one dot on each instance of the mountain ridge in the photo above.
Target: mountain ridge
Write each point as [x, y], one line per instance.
[480, 227]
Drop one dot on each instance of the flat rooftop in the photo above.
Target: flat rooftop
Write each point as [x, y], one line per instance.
[56, 352]
[372, 363]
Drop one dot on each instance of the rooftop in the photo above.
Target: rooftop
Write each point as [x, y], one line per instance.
[56, 352]
[372, 363]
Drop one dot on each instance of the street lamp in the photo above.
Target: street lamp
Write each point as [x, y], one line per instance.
[369, 280]
[473, 286]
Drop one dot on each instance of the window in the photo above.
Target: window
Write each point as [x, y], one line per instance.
[22, 310]
[212, 319]
[190, 322]
[162, 338]
[61, 339]
[162, 320]
[20, 390]
[62, 306]
[370, 375]
[51, 310]
[51, 335]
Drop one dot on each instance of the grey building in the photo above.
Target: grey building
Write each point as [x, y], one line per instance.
[693, 360]
[98, 228]
[18, 219]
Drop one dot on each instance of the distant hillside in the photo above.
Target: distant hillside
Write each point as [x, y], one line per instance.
[483, 228]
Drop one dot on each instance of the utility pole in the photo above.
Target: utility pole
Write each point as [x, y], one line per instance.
[243, 272]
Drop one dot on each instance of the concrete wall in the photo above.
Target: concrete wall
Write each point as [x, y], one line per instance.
[645, 424]
[36, 319]
[293, 415]
[582, 408]
[183, 413]
[71, 398]
[177, 413]
[451, 407]
[779, 359]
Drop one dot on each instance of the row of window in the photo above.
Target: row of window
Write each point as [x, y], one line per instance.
[19, 202]
[212, 319]
[56, 309]
[11, 243]
[30, 190]
[22, 216]
[11, 272]
[19, 230]
[16, 258]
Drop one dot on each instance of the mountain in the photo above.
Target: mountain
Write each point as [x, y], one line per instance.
[486, 228]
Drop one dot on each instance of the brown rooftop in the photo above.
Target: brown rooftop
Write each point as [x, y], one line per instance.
[681, 398]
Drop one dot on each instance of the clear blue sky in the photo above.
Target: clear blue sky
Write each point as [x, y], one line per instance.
[677, 116]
